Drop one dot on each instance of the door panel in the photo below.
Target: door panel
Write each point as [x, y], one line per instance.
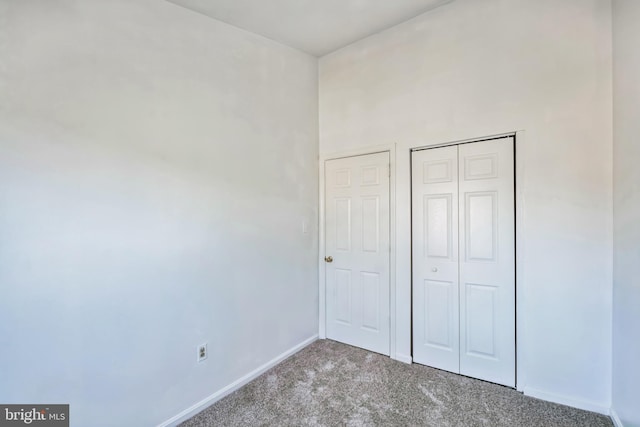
[438, 220]
[343, 233]
[439, 314]
[370, 224]
[370, 301]
[357, 238]
[487, 268]
[481, 223]
[435, 258]
[481, 319]
[342, 296]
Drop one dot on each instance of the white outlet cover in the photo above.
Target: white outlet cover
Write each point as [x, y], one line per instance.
[206, 352]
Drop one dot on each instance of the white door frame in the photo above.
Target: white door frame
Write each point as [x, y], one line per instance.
[519, 138]
[391, 149]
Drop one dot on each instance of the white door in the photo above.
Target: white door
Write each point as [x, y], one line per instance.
[357, 251]
[463, 208]
[487, 261]
[435, 258]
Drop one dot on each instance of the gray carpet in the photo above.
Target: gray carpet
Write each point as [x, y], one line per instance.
[332, 384]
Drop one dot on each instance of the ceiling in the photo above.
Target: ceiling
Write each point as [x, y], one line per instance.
[314, 26]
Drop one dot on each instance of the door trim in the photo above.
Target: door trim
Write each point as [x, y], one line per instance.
[391, 149]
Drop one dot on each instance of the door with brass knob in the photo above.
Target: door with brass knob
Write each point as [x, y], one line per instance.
[357, 237]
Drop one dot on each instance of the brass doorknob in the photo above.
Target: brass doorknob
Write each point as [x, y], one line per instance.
[328, 259]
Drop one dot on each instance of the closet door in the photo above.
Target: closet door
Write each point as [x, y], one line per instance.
[487, 260]
[435, 258]
[463, 237]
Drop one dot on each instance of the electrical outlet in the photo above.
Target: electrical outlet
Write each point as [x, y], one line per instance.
[202, 352]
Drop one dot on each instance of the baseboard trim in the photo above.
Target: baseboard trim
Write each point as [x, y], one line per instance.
[208, 401]
[404, 358]
[615, 418]
[566, 400]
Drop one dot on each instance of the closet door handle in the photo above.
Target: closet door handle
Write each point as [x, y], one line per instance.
[328, 259]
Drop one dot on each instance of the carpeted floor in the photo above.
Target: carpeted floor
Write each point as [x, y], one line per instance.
[332, 384]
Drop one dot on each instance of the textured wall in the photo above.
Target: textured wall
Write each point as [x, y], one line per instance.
[155, 170]
[475, 68]
[626, 208]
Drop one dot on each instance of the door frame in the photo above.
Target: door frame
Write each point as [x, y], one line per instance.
[322, 305]
[518, 146]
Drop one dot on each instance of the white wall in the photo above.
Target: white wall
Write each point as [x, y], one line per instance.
[155, 170]
[477, 68]
[626, 208]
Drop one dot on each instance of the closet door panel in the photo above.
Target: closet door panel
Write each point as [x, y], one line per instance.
[487, 261]
[435, 258]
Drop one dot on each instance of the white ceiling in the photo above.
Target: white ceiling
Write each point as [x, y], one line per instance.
[314, 26]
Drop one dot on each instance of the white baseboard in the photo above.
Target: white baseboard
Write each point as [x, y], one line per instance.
[208, 401]
[566, 400]
[404, 358]
[615, 418]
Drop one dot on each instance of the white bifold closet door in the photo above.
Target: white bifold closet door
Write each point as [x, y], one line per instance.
[464, 259]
